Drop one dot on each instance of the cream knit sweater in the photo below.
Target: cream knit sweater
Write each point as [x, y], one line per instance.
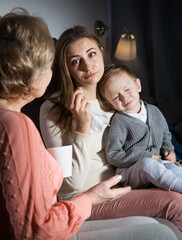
[89, 164]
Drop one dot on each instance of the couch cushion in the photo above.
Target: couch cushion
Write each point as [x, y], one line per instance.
[171, 225]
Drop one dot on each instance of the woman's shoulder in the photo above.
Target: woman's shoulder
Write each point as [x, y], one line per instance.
[95, 105]
[47, 105]
[9, 117]
[12, 122]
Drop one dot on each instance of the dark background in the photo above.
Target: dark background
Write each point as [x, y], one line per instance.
[157, 26]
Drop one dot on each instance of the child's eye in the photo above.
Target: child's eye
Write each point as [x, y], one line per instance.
[127, 90]
[75, 61]
[92, 54]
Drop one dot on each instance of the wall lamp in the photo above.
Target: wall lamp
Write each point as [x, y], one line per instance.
[126, 48]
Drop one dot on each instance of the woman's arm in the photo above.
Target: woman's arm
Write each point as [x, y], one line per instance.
[80, 142]
[30, 179]
[50, 133]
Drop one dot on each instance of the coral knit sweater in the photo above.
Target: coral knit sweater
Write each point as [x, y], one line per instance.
[29, 181]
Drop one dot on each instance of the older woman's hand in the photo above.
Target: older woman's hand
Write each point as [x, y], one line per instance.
[103, 192]
[80, 109]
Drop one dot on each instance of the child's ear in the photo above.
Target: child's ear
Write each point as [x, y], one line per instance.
[139, 87]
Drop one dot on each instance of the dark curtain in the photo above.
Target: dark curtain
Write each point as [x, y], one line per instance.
[157, 26]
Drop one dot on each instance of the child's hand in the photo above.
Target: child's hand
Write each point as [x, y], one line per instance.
[155, 157]
[178, 164]
[170, 156]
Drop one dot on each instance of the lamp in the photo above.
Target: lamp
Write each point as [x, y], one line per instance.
[126, 47]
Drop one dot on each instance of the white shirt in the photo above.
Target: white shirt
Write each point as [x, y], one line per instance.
[142, 115]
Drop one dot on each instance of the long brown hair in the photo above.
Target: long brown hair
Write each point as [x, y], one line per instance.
[62, 80]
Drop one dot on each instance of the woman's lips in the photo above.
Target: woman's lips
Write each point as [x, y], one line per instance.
[90, 75]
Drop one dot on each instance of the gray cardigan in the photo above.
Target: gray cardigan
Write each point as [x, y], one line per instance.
[129, 139]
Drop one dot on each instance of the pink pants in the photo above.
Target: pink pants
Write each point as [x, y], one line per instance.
[143, 202]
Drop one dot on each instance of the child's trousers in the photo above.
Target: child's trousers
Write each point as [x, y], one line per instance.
[161, 173]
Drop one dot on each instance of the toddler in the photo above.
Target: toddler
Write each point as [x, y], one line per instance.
[138, 141]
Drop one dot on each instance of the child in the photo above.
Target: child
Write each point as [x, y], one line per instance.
[138, 141]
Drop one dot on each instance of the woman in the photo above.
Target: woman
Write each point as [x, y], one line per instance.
[30, 177]
[70, 117]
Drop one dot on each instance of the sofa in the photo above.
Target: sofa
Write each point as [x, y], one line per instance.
[171, 110]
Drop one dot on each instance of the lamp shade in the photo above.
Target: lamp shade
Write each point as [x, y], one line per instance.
[126, 48]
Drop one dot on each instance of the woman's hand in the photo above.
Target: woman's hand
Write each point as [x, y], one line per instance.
[80, 109]
[103, 192]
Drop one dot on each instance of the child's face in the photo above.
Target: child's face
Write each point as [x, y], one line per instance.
[122, 92]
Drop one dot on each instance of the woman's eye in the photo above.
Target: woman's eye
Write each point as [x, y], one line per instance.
[127, 90]
[76, 61]
[92, 54]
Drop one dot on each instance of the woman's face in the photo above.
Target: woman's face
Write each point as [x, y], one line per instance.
[85, 62]
[40, 85]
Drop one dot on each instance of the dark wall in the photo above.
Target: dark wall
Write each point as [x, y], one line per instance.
[156, 25]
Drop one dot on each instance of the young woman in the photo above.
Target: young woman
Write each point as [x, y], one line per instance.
[70, 117]
[29, 176]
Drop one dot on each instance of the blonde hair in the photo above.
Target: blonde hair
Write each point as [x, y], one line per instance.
[26, 50]
[110, 71]
[62, 80]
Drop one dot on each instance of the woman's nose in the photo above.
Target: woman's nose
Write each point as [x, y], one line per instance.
[86, 65]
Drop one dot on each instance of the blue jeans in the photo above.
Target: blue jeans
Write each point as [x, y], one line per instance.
[161, 173]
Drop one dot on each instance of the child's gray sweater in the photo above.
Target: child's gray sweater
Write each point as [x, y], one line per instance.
[129, 139]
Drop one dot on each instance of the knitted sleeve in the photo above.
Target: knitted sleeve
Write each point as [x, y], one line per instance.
[126, 141]
[161, 127]
[81, 145]
[30, 179]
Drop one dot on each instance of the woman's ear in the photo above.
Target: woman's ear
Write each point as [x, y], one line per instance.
[102, 49]
[138, 83]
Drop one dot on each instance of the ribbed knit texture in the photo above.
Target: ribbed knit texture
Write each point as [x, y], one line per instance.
[129, 139]
[30, 179]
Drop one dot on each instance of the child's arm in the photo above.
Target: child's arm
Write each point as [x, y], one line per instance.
[121, 148]
[167, 147]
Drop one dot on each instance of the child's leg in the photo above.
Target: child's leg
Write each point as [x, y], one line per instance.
[149, 170]
[177, 170]
[133, 176]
